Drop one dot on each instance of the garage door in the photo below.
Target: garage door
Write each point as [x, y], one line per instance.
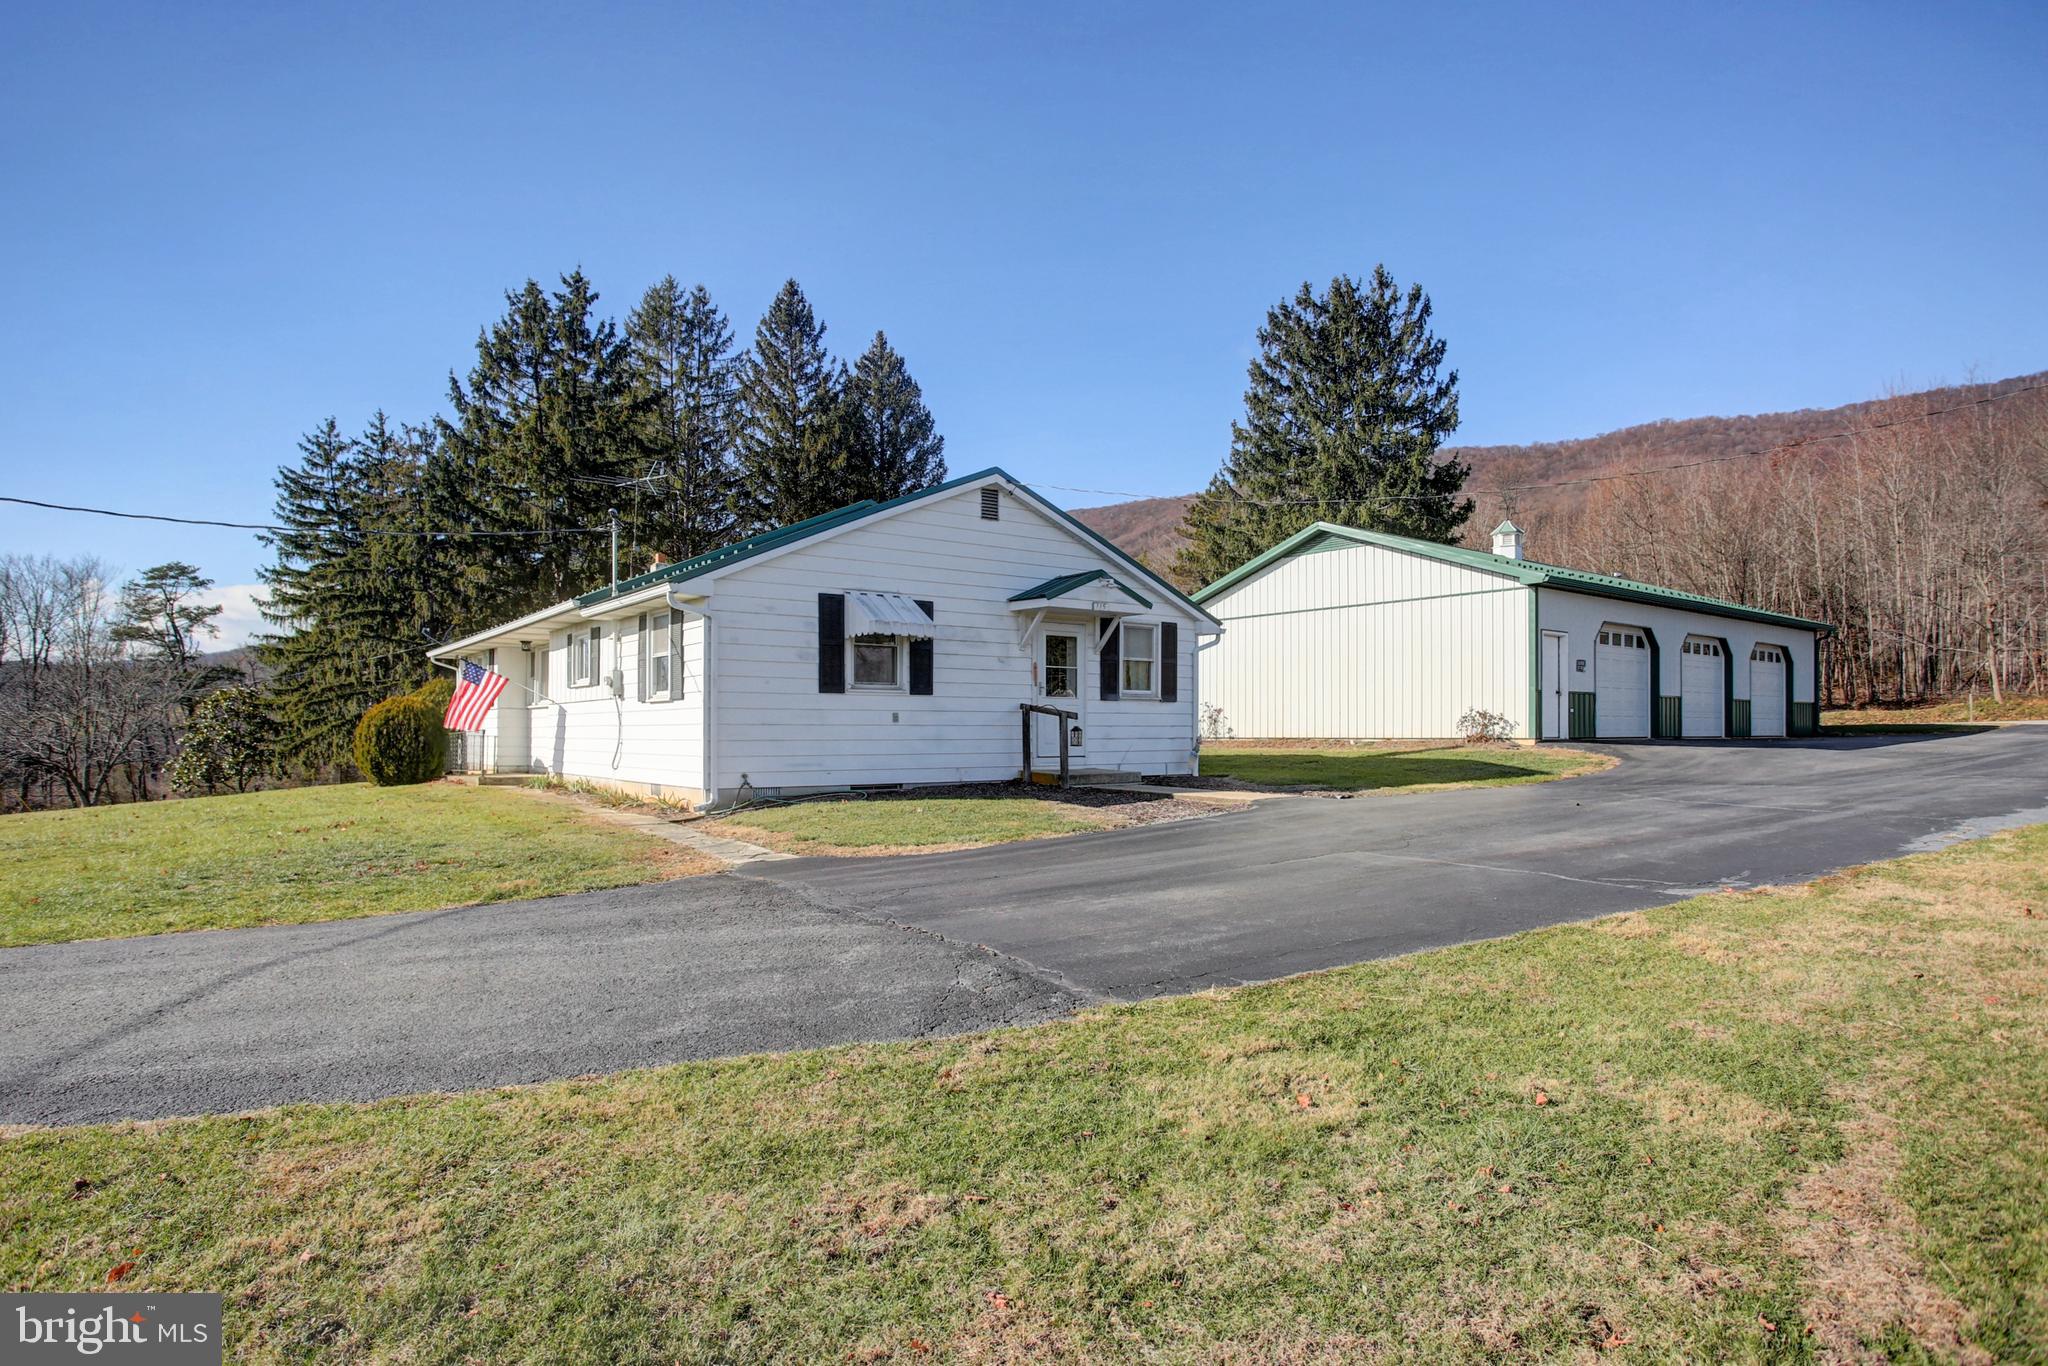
[1767, 690]
[1703, 686]
[1622, 685]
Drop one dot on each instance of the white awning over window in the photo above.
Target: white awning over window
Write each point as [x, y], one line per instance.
[886, 614]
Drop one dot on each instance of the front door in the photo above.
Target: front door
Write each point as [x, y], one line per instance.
[1059, 685]
[1553, 686]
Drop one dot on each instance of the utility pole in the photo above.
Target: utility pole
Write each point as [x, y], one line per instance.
[613, 514]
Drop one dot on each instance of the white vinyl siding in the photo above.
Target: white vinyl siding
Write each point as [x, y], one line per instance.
[585, 732]
[776, 727]
[1364, 642]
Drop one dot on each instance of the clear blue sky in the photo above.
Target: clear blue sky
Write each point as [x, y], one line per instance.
[223, 225]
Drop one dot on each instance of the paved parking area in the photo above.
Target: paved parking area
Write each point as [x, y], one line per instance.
[803, 952]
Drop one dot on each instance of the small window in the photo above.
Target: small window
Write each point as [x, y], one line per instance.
[537, 674]
[1140, 653]
[586, 657]
[661, 656]
[991, 504]
[877, 662]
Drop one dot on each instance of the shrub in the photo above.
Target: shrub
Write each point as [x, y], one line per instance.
[400, 741]
[436, 691]
[225, 746]
[1481, 727]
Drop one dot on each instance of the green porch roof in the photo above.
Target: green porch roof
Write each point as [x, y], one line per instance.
[1067, 583]
[1529, 572]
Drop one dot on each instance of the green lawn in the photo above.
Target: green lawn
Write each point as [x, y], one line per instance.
[821, 827]
[313, 853]
[1363, 767]
[1762, 1126]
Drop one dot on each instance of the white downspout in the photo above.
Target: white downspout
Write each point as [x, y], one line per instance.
[1195, 659]
[709, 777]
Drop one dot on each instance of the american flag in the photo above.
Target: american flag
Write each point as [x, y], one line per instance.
[474, 693]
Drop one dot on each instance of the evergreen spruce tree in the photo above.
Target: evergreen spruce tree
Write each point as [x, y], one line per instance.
[544, 435]
[1347, 405]
[792, 438]
[893, 446]
[313, 680]
[686, 384]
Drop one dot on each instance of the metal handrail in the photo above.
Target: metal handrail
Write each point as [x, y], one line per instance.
[1027, 708]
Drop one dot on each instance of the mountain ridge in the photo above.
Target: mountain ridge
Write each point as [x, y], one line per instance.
[1150, 528]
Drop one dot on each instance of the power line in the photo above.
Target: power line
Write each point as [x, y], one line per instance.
[1789, 447]
[271, 526]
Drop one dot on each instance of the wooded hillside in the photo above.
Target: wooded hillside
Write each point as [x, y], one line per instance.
[1921, 535]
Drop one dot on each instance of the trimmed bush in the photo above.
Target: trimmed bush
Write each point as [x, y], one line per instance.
[436, 691]
[400, 741]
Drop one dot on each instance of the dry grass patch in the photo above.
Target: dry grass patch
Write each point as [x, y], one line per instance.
[1785, 1125]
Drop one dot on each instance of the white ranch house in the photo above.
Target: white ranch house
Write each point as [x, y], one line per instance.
[1338, 633]
[875, 646]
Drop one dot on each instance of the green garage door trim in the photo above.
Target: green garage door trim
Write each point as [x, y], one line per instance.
[1581, 724]
[1738, 718]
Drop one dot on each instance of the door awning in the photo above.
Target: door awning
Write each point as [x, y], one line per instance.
[886, 614]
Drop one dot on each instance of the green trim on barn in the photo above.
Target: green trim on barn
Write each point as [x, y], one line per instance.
[1738, 718]
[1318, 536]
[1801, 719]
[1670, 718]
[1584, 722]
[1535, 670]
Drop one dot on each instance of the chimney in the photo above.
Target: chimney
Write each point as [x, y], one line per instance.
[1507, 541]
[657, 562]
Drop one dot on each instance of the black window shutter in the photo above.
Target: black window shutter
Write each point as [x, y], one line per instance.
[921, 658]
[831, 642]
[1112, 659]
[1169, 661]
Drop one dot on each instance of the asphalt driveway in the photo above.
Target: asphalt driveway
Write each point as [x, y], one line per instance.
[817, 951]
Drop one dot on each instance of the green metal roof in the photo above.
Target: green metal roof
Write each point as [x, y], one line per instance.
[1067, 583]
[854, 512]
[1529, 572]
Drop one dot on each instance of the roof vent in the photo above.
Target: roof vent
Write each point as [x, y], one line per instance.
[991, 507]
[1507, 541]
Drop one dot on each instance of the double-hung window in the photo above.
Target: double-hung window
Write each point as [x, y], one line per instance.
[586, 657]
[537, 674]
[1141, 660]
[878, 662]
[661, 656]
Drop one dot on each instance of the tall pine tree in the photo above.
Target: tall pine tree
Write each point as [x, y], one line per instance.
[314, 678]
[544, 435]
[893, 446]
[357, 590]
[792, 446]
[1347, 405]
[686, 381]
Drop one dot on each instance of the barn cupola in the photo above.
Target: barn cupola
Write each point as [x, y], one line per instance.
[1507, 540]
